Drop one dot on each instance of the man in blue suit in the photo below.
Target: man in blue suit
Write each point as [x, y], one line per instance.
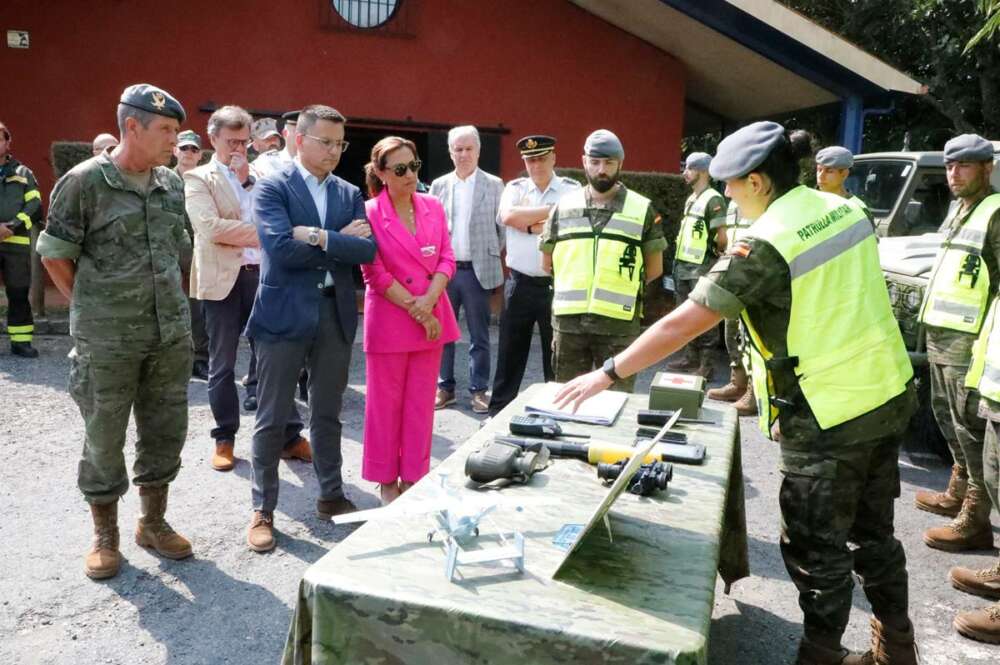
[312, 229]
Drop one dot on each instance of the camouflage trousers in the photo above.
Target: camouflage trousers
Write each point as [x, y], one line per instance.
[573, 355]
[829, 500]
[708, 339]
[108, 382]
[956, 409]
[991, 463]
[734, 342]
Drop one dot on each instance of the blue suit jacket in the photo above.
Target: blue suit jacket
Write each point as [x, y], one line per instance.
[292, 272]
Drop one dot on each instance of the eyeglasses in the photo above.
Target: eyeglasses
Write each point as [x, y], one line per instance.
[328, 144]
[234, 144]
[189, 148]
[400, 169]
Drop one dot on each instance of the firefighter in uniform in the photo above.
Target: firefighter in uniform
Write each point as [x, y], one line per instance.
[833, 166]
[20, 209]
[835, 391]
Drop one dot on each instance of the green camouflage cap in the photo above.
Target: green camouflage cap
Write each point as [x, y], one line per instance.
[264, 127]
[188, 137]
[146, 97]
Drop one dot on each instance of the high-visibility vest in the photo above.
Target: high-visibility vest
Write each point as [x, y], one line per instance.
[844, 345]
[736, 224]
[984, 370]
[692, 239]
[959, 290]
[598, 272]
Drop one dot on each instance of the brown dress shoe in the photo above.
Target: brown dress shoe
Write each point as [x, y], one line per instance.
[982, 625]
[260, 536]
[326, 509]
[223, 459]
[970, 531]
[948, 502]
[103, 559]
[985, 583]
[300, 449]
[480, 403]
[444, 399]
[733, 390]
[153, 530]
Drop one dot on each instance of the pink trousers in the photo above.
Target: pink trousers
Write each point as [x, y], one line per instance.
[399, 414]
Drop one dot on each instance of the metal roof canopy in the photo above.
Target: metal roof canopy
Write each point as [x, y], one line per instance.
[751, 59]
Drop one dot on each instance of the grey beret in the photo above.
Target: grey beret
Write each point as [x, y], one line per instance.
[603, 144]
[698, 161]
[745, 149]
[968, 148]
[835, 157]
[146, 97]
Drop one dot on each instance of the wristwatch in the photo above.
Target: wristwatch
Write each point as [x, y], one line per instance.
[609, 368]
[313, 238]
[249, 182]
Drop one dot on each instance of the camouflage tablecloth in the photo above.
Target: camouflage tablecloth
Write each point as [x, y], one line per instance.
[381, 596]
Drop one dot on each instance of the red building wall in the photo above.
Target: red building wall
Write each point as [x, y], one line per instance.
[534, 66]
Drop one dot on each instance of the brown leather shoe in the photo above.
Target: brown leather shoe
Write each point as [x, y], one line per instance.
[300, 449]
[948, 502]
[480, 403]
[326, 509]
[444, 399]
[985, 582]
[223, 459]
[260, 535]
[103, 559]
[982, 625]
[153, 531]
[970, 531]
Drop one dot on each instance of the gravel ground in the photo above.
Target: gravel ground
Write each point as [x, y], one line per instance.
[229, 605]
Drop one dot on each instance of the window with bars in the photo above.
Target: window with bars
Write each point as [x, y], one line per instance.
[383, 17]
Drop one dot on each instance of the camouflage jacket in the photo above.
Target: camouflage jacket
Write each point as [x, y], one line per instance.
[128, 247]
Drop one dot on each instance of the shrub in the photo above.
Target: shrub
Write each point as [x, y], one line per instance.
[67, 154]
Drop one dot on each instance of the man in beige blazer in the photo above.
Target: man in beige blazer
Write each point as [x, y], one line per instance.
[225, 273]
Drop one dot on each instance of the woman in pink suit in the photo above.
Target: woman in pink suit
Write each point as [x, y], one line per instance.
[407, 322]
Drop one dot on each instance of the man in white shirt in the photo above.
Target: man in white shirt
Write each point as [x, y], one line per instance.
[524, 207]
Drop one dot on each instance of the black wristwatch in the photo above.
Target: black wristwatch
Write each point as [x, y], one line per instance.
[249, 182]
[609, 368]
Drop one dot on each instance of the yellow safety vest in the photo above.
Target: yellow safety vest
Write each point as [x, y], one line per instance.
[959, 288]
[844, 345]
[692, 239]
[598, 272]
[984, 371]
[736, 224]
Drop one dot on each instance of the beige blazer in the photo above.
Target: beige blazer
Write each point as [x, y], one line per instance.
[219, 233]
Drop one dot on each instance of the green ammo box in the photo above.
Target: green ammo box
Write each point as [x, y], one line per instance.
[671, 391]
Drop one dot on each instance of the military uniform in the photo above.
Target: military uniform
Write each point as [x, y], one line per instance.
[20, 207]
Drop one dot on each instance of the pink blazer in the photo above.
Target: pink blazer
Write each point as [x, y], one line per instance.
[412, 261]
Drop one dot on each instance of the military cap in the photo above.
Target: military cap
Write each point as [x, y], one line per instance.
[603, 145]
[291, 116]
[745, 149]
[536, 145]
[264, 127]
[698, 161]
[189, 137]
[146, 97]
[968, 148]
[835, 157]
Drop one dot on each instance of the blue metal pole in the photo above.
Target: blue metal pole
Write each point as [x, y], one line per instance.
[852, 123]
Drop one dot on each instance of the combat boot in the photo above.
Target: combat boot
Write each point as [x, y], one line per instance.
[971, 530]
[889, 647]
[154, 531]
[948, 502]
[23, 349]
[811, 653]
[733, 390]
[982, 625]
[985, 582]
[747, 405]
[686, 363]
[103, 558]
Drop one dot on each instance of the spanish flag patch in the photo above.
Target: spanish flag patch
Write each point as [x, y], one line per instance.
[740, 249]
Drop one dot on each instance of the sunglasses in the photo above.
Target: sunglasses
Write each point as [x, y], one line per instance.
[190, 148]
[399, 170]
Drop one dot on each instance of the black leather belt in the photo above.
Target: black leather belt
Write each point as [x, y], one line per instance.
[463, 265]
[531, 279]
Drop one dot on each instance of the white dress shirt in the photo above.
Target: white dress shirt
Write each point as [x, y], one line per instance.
[523, 254]
[317, 189]
[251, 255]
[461, 216]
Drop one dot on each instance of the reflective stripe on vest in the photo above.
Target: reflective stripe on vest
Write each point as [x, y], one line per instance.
[692, 239]
[17, 240]
[959, 288]
[736, 224]
[844, 345]
[598, 273]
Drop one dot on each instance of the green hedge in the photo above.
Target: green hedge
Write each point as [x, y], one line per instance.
[67, 154]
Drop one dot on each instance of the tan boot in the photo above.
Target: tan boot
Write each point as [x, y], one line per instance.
[686, 362]
[154, 531]
[948, 502]
[733, 390]
[982, 625]
[103, 558]
[971, 530]
[985, 582]
[889, 647]
[811, 653]
[223, 459]
[747, 405]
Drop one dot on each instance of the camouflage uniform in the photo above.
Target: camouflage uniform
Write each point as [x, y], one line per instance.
[686, 274]
[990, 410]
[128, 317]
[581, 342]
[839, 484]
[949, 353]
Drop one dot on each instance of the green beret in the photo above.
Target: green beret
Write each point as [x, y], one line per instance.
[968, 148]
[188, 137]
[745, 149]
[603, 144]
[146, 97]
[835, 157]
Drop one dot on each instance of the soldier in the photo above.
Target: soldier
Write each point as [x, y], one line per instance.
[20, 208]
[103, 142]
[700, 240]
[601, 244]
[113, 245]
[833, 166]
[963, 281]
[839, 448]
[267, 143]
[188, 154]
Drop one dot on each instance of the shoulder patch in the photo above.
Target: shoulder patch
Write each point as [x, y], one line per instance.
[740, 249]
[657, 219]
